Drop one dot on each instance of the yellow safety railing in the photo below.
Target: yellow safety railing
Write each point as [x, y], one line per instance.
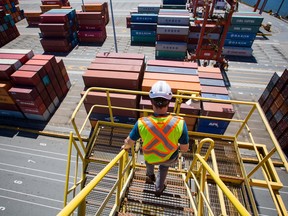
[76, 183]
[264, 160]
[125, 173]
[200, 173]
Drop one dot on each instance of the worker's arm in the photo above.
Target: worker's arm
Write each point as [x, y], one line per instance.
[128, 143]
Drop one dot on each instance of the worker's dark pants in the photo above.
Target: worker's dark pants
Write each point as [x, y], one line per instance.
[162, 173]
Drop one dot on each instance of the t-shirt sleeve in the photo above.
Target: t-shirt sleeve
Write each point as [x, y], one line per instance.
[184, 139]
[134, 133]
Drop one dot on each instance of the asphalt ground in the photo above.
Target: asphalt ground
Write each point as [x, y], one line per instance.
[32, 167]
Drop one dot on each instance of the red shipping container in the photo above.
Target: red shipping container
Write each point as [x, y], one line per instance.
[26, 78]
[95, 27]
[15, 64]
[217, 110]
[40, 110]
[124, 80]
[53, 27]
[121, 55]
[115, 68]
[170, 37]
[116, 61]
[35, 68]
[20, 57]
[214, 90]
[53, 18]
[11, 107]
[28, 93]
[30, 103]
[172, 77]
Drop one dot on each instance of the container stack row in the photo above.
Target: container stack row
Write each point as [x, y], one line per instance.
[101, 7]
[242, 33]
[130, 71]
[179, 75]
[213, 86]
[32, 86]
[54, 4]
[58, 30]
[274, 102]
[33, 17]
[92, 27]
[172, 34]
[8, 29]
[113, 70]
[143, 24]
[12, 7]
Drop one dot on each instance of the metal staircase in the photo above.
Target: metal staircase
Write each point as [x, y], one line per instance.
[211, 179]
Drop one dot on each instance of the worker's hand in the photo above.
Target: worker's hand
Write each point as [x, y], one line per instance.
[126, 145]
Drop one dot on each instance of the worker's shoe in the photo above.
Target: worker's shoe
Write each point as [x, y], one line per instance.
[160, 192]
[150, 179]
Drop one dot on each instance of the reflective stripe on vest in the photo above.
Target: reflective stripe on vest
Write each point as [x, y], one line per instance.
[157, 147]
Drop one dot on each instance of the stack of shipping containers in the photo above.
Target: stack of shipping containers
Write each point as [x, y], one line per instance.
[92, 27]
[32, 86]
[242, 33]
[8, 29]
[12, 7]
[172, 34]
[58, 30]
[33, 17]
[274, 102]
[53, 4]
[180, 76]
[113, 70]
[92, 21]
[143, 24]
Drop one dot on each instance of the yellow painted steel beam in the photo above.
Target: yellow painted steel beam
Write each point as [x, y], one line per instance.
[89, 187]
[261, 163]
[263, 184]
[43, 133]
[240, 208]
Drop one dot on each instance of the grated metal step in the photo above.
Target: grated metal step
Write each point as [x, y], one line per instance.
[140, 198]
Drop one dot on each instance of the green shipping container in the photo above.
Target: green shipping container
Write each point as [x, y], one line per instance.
[170, 55]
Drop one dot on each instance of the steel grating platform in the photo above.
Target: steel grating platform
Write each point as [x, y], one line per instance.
[140, 198]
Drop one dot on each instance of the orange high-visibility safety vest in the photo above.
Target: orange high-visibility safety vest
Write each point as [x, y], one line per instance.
[160, 137]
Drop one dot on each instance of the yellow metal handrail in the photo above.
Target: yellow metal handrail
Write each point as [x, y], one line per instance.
[222, 188]
[80, 197]
[67, 191]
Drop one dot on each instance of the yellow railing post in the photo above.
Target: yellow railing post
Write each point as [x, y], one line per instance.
[68, 168]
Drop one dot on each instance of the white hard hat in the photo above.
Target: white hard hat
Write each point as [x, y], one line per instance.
[161, 89]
